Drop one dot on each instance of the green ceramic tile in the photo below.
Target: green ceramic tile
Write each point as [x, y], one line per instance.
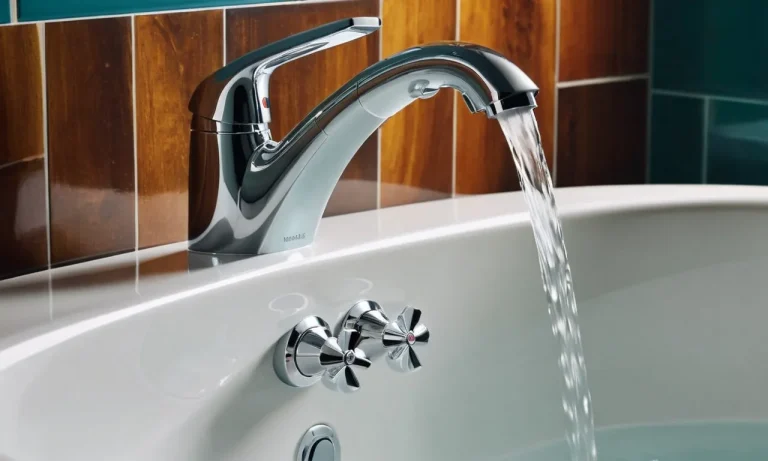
[711, 46]
[35, 10]
[737, 143]
[5, 12]
[677, 138]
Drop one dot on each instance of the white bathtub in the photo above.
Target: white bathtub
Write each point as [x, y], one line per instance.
[136, 358]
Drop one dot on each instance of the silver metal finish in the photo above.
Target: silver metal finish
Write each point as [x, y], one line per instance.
[252, 195]
[319, 443]
[310, 353]
[398, 338]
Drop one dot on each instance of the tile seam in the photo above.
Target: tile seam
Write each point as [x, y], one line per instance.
[602, 80]
[556, 96]
[649, 102]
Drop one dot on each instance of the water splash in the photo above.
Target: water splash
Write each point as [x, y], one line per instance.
[522, 135]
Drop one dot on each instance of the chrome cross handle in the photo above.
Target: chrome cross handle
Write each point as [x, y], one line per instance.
[339, 356]
[397, 338]
[310, 353]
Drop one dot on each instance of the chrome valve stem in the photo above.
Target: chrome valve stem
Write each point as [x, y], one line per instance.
[310, 353]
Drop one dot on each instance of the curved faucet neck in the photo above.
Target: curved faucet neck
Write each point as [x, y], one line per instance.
[279, 193]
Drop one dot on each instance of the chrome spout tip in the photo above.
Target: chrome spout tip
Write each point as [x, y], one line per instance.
[526, 100]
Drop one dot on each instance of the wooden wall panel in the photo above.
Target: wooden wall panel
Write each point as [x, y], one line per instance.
[23, 231]
[23, 227]
[21, 101]
[523, 31]
[90, 137]
[601, 38]
[174, 53]
[601, 134]
[417, 143]
[297, 87]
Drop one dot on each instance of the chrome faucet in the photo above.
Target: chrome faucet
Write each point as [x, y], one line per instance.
[250, 194]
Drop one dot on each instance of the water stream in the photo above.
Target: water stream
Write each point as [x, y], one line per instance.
[522, 134]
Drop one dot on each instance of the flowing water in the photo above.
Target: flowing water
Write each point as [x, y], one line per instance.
[522, 134]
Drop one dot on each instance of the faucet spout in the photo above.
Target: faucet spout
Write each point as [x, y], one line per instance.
[249, 195]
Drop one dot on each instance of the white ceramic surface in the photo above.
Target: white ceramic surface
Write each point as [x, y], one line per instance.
[136, 357]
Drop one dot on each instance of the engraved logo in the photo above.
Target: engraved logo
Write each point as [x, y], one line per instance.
[294, 237]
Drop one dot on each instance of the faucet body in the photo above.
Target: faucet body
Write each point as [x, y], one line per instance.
[252, 195]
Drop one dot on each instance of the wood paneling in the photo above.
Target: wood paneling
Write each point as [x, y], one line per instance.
[21, 89]
[297, 87]
[601, 134]
[23, 227]
[23, 233]
[417, 143]
[600, 38]
[524, 32]
[90, 137]
[174, 53]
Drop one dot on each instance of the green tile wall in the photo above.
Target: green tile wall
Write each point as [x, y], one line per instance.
[709, 56]
[678, 138]
[711, 46]
[5, 12]
[35, 10]
[738, 143]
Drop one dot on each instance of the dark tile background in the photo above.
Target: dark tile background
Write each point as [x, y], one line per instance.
[711, 46]
[678, 138]
[604, 144]
[713, 54]
[117, 156]
[737, 136]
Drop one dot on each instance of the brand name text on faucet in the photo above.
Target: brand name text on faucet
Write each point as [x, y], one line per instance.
[293, 237]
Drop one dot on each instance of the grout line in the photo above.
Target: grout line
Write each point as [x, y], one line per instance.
[161, 11]
[46, 174]
[224, 36]
[135, 155]
[135, 138]
[685, 94]
[705, 141]
[13, 6]
[601, 80]
[556, 96]
[378, 130]
[649, 103]
[455, 140]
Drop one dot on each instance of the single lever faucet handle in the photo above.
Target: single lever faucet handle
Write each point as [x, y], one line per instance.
[309, 353]
[245, 81]
[396, 338]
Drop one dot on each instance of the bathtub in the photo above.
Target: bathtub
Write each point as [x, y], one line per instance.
[163, 355]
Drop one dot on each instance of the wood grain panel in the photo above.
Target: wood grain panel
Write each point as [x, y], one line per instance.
[174, 53]
[524, 32]
[23, 232]
[299, 86]
[21, 89]
[417, 143]
[90, 137]
[600, 38]
[601, 134]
